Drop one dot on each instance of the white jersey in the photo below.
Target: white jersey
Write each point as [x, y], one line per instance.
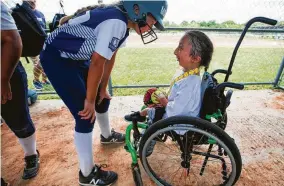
[101, 30]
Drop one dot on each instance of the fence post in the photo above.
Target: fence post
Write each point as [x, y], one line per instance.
[279, 73]
[110, 86]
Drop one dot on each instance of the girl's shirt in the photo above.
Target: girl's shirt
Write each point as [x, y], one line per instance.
[185, 97]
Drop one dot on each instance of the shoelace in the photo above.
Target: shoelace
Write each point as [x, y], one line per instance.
[117, 135]
[98, 173]
[102, 166]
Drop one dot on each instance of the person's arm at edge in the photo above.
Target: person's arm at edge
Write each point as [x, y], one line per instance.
[11, 51]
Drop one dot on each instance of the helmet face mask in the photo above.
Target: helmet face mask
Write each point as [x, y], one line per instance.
[150, 35]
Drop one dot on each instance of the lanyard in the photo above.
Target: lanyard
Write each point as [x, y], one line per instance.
[182, 76]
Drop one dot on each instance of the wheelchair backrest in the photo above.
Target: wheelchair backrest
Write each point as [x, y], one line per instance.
[211, 102]
[207, 81]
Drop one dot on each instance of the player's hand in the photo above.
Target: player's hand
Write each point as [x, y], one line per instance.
[103, 94]
[6, 93]
[88, 112]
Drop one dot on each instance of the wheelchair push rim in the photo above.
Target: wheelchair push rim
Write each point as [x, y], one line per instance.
[184, 172]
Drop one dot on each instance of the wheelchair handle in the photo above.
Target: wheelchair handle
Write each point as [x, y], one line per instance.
[222, 86]
[264, 20]
[221, 71]
[249, 23]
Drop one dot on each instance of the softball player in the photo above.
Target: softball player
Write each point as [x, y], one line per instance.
[78, 58]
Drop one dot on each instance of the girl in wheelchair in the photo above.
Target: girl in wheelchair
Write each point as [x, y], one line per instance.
[194, 51]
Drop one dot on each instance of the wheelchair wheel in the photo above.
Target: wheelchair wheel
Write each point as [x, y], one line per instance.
[191, 153]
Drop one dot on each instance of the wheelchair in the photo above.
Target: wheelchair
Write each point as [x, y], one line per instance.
[191, 150]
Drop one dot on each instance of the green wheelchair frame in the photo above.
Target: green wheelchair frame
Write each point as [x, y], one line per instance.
[132, 147]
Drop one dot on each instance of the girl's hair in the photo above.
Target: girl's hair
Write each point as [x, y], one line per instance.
[117, 4]
[201, 46]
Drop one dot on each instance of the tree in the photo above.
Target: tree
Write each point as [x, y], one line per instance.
[184, 24]
[281, 23]
[173, 24]
[212, 24]
[230, 24]
[203, 24]
[166, 23]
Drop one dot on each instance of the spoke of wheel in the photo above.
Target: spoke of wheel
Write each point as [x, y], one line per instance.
[177, 145]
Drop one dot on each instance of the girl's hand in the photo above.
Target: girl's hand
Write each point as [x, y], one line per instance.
[88, 112]
[163, 100]
[103, 94]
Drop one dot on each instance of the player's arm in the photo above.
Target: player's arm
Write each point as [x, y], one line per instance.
[108, 41]
[107, 71]
[11, 44]
[95, 74]
[11, 50]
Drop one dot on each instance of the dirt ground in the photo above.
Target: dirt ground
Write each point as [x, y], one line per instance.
[255, 121]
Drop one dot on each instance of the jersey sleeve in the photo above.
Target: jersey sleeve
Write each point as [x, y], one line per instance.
[123, 44]
[7, 21]
[110, 34]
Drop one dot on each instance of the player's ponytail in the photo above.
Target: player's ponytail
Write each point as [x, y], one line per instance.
[84, 9]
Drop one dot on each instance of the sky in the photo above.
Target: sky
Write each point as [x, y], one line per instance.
[239, 11]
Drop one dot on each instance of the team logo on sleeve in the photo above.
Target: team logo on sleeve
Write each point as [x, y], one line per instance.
[113, 44]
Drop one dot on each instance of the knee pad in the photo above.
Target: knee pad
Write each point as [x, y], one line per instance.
[103, 107]
[83, 126]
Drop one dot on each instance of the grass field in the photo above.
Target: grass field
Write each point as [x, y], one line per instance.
[146, 66]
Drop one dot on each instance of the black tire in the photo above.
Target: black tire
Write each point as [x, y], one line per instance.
[199, 124]
[137, 176]
[225, 120]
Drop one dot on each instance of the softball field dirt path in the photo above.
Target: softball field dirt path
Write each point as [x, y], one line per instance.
[255, 121]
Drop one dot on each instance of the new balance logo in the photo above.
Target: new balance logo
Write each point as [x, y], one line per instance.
[94, 182]
[113, 140]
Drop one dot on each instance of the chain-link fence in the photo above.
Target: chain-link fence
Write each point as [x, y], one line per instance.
[257, 63]
[279, 81]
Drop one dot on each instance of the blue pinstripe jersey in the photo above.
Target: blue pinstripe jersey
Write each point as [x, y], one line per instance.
[100, 30]
[40, 17]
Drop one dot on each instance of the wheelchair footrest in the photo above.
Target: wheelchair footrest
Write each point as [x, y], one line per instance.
[126, 148]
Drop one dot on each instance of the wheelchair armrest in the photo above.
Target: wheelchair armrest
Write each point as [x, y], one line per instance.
[222, 86]
[220, 71]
